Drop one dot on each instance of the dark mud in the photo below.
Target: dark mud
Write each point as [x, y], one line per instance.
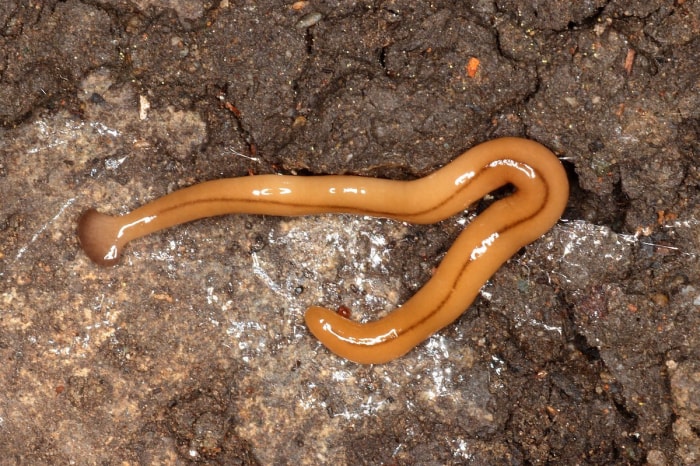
[583, 349]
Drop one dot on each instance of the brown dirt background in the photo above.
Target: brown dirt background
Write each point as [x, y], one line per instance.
[583, 349]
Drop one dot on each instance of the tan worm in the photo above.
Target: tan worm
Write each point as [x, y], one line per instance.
[508, 224]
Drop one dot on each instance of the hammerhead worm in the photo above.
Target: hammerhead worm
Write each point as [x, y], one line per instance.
[540, 196]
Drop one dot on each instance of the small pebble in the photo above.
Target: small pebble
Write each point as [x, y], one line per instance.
[659, 299]
[656, 458]
[309, 20]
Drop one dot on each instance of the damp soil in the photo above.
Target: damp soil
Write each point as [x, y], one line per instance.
[582, 349]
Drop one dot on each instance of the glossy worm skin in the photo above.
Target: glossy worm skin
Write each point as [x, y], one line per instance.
[541, 194]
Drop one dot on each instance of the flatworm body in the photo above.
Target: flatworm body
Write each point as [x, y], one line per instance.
[541, 194]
